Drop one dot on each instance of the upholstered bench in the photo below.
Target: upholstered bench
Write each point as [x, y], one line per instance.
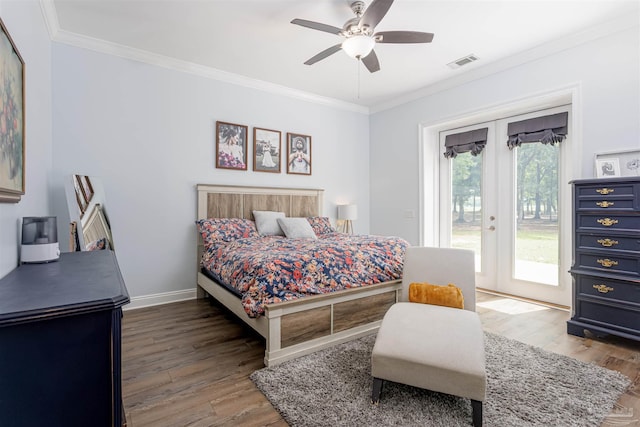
[433, 347]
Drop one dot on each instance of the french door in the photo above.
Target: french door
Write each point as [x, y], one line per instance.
[512, 207]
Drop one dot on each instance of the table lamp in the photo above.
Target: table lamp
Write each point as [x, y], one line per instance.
[347, 213]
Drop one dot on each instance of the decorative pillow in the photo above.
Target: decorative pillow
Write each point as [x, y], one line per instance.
[225, 229]
[425, 293]
[267, 223]
[297, 228]
[98, 245]
[321, 225]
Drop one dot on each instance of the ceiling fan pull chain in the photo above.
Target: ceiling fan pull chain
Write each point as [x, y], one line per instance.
[358, 71]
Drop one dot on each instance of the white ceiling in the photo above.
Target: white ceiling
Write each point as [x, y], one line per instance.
[255, 39]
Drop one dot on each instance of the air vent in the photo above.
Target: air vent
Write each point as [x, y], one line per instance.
[462, 61]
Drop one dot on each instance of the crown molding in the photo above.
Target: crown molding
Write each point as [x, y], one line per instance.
[50, 17]
[115, 49]
[599, 31]
[57, 35]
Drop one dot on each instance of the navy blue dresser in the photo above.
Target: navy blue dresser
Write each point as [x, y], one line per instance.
[60, 342]
[606, 259]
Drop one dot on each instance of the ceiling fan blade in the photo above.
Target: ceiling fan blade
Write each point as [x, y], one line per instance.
[317, 26]
[324, 54]
[403, 37]
[371, 62]
[374, 13]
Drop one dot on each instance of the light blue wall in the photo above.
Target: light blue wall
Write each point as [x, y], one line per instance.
[148, 133]
[605, 70]
[28, 30]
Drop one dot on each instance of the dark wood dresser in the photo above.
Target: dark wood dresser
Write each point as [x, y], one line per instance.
[60, 342]
[606, 262]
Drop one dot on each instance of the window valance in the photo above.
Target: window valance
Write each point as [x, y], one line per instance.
[550, 129]
[458, 143]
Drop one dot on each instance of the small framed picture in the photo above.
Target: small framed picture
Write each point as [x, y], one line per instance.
[267, 144]
[81, 198]
[618, 163]
[231, 146]
[87, 188]
[298, 154]
[607, 168]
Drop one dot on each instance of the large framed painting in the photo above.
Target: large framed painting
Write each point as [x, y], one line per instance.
[298, 154]
[231, 146]
[12, 152]
[266, 150]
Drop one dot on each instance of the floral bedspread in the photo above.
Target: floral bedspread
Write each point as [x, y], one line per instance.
[273, 269]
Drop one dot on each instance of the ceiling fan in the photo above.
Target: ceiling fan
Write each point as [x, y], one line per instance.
[359, 36]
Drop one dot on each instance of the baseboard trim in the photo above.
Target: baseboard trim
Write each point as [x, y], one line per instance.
[161, 298]
[529, 300]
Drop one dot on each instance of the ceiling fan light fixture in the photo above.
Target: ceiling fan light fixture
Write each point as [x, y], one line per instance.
[358, 46]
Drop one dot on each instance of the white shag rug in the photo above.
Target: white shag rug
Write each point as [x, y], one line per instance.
[526, 386]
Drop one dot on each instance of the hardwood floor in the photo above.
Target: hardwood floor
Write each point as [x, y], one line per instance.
[188, 363]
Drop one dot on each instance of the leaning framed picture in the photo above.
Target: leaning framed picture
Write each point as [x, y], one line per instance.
[617, 163]
[267, 144]
[298, 154]
[12, 151]
[87, 188]
[81, 198]
[231, 146]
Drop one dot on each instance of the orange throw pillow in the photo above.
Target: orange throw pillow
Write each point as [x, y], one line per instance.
[425, 293]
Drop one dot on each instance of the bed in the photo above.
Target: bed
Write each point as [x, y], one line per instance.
[291, 328]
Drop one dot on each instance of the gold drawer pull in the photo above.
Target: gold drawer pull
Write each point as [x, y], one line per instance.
[604, 204]
[607, 222]
[604, 190]
[607, 262]
[603, 289]
[608, 242]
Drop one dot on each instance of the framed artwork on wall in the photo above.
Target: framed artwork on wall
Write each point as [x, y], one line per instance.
[617, 163]
[298, 154]
[12, 151]
[231, 146]
[267, 144]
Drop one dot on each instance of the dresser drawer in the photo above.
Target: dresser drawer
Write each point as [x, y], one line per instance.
[611, 263]
[607, 222]
[605, 189]
[608, 289]
[606, 203]
[614, 317]
[609, 242]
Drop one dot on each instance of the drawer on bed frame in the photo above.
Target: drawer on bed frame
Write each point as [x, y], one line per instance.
[317, 322]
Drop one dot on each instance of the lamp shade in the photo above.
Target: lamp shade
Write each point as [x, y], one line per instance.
[358, 46]
[348, 212]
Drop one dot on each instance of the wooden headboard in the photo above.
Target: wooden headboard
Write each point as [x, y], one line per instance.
[228, 201]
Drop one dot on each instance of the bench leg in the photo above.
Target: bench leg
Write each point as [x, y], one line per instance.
[376, 390]
[476, 407]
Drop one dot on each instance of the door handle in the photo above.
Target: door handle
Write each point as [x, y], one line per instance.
[491, 228]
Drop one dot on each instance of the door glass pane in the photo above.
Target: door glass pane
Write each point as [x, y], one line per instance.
[466, 199]
[536, 239]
